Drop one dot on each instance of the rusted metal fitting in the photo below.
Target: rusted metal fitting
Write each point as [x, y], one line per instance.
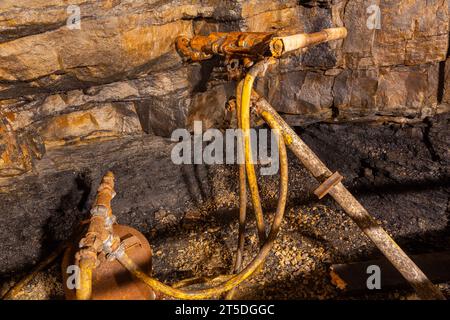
[276, 47]
[116, 254]
[102, 276]
[91, 240]
[88, 256]
[110, 244]
[328, 184]
[234, 69]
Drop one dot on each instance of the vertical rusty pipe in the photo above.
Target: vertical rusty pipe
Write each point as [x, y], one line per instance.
[242, 195]
[282, 45]
[409, 270]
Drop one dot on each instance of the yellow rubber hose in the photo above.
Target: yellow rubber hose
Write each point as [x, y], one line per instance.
[243, 96]
[18, 287]
[201, 280]
[84, 291]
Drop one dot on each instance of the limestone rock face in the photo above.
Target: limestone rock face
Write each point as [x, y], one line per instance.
[91, 70]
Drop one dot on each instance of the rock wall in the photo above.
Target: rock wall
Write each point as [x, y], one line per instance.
[119, 74]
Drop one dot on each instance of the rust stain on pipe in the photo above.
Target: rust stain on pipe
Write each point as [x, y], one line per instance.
[328, 184]
[399, 259]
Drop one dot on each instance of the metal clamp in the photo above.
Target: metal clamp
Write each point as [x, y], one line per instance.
[328, 184]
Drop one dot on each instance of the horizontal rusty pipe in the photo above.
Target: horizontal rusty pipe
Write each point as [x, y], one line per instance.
[18, 287]
[14, 291]
[409, 270]
[231, 44]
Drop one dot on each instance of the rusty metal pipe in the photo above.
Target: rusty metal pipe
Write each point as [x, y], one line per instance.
[18, 287]
[99, 232]
[247, 271]
[409, 270]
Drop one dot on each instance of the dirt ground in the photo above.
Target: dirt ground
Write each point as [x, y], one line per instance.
[400, 173]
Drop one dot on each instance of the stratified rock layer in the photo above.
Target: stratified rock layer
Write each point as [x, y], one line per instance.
[117, 73]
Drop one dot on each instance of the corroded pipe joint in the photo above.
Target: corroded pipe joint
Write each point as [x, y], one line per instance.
[86, 257]
[105, 192]
[111, 244]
